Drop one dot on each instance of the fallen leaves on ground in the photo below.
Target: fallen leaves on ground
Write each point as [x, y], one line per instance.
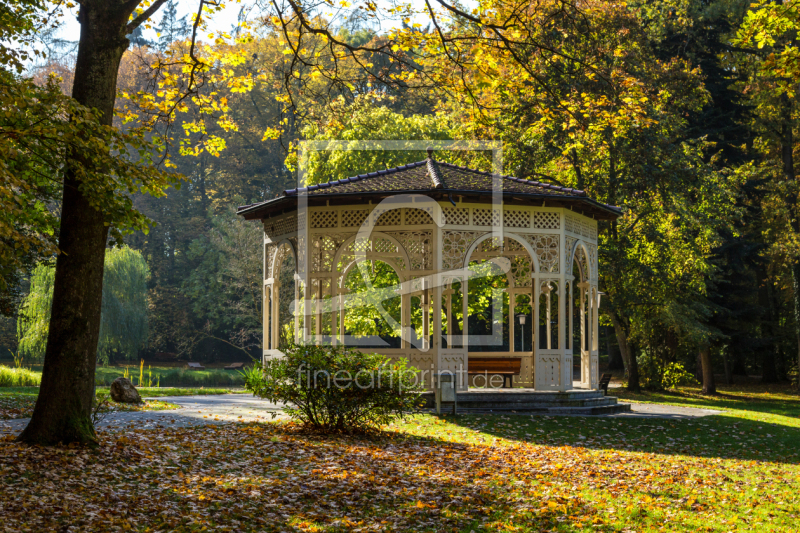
[273, 477]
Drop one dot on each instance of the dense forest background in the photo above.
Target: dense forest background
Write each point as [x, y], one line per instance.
[668, 109]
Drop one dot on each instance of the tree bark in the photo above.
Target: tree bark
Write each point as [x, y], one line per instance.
[709, 385]
[631, 366]
[615, 361]
[63, 410]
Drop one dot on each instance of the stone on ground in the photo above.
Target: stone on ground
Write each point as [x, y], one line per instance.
[123, 391]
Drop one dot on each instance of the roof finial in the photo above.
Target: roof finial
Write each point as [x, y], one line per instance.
[430, 152]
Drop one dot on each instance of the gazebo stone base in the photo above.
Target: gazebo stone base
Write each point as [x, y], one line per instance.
[576, 402]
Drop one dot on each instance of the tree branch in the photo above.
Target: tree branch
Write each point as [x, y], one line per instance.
[146, 14]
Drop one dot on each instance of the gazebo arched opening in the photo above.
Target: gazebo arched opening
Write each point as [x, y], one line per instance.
[584, 310]
[371, 314]
[281, 290]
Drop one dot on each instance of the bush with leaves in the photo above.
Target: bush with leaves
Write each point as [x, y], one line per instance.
[658, 375]
[337, 388]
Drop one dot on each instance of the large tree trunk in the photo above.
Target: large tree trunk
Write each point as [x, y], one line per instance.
[64, 407]
[709, 385]
[631, 365]
[615, 361]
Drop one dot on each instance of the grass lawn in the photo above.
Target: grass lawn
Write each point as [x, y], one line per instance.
[17, 402]
[729, 472]
[159, 376]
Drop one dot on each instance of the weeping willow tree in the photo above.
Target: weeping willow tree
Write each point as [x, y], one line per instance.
[123, 327]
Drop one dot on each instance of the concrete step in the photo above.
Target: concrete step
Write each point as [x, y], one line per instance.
[555, 411]
[596, 410]
[522, 401]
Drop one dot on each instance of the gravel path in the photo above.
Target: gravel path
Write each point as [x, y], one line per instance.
[226, 408]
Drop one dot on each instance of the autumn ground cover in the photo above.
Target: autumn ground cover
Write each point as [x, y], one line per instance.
[728, 472]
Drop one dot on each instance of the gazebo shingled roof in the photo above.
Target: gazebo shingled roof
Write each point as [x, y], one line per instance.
[436, 179]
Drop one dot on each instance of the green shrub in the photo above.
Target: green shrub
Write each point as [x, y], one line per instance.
[19, 377]
[656, 375]
[336, 388]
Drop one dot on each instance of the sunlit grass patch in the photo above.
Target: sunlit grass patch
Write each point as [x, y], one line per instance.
[18, 402]
[19, 377]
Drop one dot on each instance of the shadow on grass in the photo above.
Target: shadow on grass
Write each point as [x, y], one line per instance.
[780, 401]
[717, 436]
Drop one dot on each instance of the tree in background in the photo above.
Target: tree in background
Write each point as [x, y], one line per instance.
[364, 119]
[171, 28]
[225, 287]
[123, 326]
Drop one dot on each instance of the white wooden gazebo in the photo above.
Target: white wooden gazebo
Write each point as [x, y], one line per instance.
[431, 223]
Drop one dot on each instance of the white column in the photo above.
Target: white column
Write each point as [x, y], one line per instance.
[549, 336]
[266, 312]
[425, 301]
[276, 317]
[436, 337]
[571, 311]
[342, 312]
[299, 335]
[566, 360]
[448, 309]
[595, 353]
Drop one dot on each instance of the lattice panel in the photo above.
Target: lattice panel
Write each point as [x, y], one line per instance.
[455, 245]
[580, 257]
[324, 219]
[513, 246]
[569, 223]
[387, 218]
[456, 216]
[548, 372]
[354, 218]
[486, 217]
[595, 372]
[270, 251]
[570, 249]
[513, 218]
[488, 246]
[323, 251]
[588, 229]
[418, 246]
[301, 222]
[592, 260]
[383, 246]
[521, 270]
[491, 248]
[546, 220]
[415, 217]
[360, 246]
[281, 226]
[546, 248]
